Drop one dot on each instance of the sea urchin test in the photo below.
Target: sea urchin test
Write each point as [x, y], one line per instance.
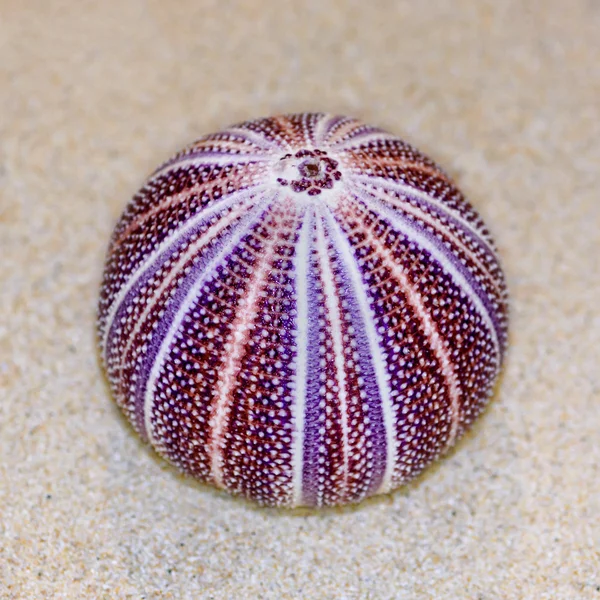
[303, 310]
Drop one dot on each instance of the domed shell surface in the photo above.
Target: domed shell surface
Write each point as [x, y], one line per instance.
[303, 310]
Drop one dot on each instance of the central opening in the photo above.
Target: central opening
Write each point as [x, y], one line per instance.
[307, 171]
[310, 168]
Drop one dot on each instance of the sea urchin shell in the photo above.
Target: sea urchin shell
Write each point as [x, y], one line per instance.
[303, 310]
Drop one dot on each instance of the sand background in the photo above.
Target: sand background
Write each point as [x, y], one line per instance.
[93, 95]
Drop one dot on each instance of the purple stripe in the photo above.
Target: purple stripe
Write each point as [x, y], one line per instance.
[310, 467]
[357, 134]
[243, 132]
[203, 267]
[199, 154]
[370, 386]
[477, 288]
[403, 196]
[334, 124]
[150, 271]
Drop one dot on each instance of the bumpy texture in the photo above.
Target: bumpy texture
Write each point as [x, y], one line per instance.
[303, 310]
